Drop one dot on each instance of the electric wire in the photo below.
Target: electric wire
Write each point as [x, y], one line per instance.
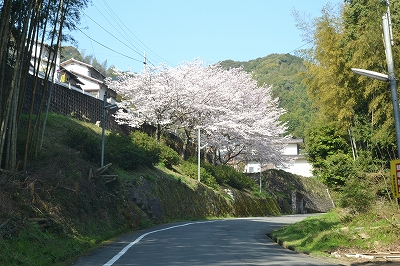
[301, 46]
[114, 17]
[91, 43]
[121, 25]
[110, 23]
[148, 61]
[112, 34]
[127, 56]
[143, 45]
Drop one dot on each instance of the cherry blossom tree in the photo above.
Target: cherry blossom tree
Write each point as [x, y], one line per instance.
[238, 120]
[249, 128]
[147, 98]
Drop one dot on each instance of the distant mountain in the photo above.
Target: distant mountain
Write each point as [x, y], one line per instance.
[282, 72]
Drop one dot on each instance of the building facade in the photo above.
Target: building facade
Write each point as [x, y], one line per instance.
[92, 80]
[295, 162]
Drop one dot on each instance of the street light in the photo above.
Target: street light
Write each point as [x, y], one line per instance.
[391, 77]
[103, 124]
[371, 74]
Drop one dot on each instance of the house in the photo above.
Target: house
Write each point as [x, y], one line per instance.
[255, 167]
[92, 80]
[295, 163]
[65, 77]
[44, 59]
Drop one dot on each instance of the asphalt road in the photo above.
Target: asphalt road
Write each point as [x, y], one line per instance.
[220, 242]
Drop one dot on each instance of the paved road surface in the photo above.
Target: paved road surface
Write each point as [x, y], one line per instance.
[219, 243]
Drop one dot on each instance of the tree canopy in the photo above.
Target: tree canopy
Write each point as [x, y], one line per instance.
[283, 73]
[237, 118]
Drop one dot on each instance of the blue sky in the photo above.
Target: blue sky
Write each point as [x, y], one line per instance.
[175, 31]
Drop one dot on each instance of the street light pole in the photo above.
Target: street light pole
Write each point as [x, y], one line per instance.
[392, 77]
[260, 174]
[103, 126]
[198, 154]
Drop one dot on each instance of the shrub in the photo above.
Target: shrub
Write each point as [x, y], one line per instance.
[190, 169]
[335, 170]
[357, 195]
[225, 175]
[120, 150]
[169, 157]
[164, 154]
[148, 144]
[228, 175]
[83, 141]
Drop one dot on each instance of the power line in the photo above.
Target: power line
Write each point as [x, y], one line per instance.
[112, 35]
[123, 35]
[119, 22]
[115, 18]
[127, 56]
[301, 46]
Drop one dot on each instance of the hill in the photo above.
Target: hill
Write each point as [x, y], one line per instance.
[283, 72]
[65, 205]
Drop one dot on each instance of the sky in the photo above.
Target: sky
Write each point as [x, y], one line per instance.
[174, 31]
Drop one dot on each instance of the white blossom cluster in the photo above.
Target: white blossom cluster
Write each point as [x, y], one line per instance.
[238, 119]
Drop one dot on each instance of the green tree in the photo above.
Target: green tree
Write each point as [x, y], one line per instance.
[353, 132]
[68, 52]
[322, 141]
[345, 38]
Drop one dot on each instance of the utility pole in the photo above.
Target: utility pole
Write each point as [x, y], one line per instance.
[260, 174]
[391, 77]
[103, 127]
[198, 155]
[388, 40]
[106, 106]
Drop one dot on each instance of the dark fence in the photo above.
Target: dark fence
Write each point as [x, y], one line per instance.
[69, 102]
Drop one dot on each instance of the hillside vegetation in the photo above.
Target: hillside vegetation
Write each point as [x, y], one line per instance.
[63, 206]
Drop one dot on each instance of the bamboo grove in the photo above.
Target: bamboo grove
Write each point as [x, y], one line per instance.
[23, 25]
[355, 114]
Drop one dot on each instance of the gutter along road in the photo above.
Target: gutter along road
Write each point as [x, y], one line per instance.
[240, 241]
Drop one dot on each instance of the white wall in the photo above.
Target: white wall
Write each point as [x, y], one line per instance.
[299, 167]
[252, 167]
[291, 149]
[78, 68]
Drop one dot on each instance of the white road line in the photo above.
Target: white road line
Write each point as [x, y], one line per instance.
[125, 249]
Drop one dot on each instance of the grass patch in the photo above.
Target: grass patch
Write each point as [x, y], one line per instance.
[339, 231]
[49, 249]
[311, 235]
